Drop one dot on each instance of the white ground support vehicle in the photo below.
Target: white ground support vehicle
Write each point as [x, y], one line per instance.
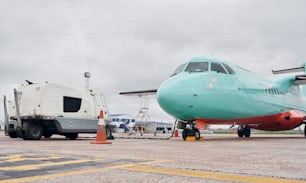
[48, 108]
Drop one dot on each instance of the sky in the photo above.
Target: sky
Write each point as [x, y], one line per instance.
[137, 44]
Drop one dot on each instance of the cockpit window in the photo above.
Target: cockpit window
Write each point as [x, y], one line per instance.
[179, 69]
[217, 67]
[228, 68]
[197, 67]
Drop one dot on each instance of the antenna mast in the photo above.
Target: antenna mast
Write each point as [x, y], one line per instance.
[87, 76]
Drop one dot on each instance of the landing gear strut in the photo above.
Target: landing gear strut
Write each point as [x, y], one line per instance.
[191, 131]
[244, 131]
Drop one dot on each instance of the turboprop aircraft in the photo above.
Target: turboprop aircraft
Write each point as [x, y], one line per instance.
[211, 91]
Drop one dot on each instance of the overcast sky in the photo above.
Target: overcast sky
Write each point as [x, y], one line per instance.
[136, 44]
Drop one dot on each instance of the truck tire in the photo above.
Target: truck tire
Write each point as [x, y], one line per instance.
[109, 134]
[71, 136]
[32, 131]
[12, 134]
[47, 135]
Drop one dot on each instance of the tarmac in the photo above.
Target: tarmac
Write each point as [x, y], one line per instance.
[218, 158]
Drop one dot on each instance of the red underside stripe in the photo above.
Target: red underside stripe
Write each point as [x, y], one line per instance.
[282, 121]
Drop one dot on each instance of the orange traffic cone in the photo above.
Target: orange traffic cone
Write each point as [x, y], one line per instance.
[176, 133]
[101, 134]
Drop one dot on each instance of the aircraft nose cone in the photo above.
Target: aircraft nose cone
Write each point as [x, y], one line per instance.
[170, 100]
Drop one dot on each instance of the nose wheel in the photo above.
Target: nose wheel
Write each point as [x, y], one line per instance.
[194, 132]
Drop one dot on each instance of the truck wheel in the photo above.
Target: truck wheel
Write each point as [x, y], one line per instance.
[12, 134]
[108, 132]
[32, 131]
[47, 135]
[72, 136]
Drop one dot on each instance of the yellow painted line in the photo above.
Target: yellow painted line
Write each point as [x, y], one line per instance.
[210, 175]
[39, 166]
[10, 157]
[16, 158]
[50, 176]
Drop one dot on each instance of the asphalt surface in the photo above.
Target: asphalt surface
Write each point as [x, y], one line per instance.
[218, 158]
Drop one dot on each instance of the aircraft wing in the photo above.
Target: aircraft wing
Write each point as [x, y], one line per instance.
[139, 93]
[299, 79]
[291, 70]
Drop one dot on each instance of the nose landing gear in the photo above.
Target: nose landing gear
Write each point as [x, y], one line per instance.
[191, 131]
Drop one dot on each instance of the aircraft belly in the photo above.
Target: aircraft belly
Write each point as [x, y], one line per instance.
[276, 122]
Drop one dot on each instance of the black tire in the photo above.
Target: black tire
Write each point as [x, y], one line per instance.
[108, 132]
[305, 130]
[197, 134]
[240, 131]
[247, 132]
[32, 131]
[184, 134]
[72, 136]
[12, 134]
[47, 135]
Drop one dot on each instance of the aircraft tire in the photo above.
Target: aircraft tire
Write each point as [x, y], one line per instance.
[184, 134]
[240, 131]
[247, 132]
[197, 134]
[305, 130]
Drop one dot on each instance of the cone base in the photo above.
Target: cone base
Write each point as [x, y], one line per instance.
[100, 142]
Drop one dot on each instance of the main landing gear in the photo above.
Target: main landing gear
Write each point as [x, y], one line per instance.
[244, 131]
[305, 130]
[191, 131]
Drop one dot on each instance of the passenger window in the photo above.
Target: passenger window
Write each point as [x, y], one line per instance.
[228, 68]
[72, 104]
[197, 67]
[217, 67]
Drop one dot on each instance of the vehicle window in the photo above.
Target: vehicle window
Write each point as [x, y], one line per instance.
[217, 67]
[179, 69]
[197, 67]
[228, 68]
[72, 104]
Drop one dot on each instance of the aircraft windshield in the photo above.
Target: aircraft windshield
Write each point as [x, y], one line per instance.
[179, 69]
[197, 67]
[217, 67]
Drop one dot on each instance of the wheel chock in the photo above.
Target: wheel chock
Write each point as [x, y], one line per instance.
[192, 138]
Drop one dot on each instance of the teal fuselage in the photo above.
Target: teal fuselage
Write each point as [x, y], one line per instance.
[206, 94]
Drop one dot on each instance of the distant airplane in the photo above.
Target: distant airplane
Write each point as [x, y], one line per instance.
[211, 91]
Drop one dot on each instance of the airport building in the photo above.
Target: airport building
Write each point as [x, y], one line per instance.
[124, 123]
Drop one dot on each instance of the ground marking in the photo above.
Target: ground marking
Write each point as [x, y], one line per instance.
[210, 175]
